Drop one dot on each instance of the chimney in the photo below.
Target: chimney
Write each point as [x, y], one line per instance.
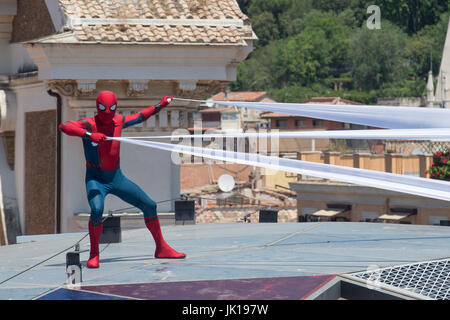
[227, 94]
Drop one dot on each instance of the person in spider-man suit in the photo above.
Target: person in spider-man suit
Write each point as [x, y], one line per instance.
[103, 173]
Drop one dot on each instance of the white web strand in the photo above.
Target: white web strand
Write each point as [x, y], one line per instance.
[388, 181]
[405, 123]
[435, 134]
[375, 116]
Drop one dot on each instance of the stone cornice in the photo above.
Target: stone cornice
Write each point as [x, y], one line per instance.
[136, 62]
[135, 89]
[66, 88]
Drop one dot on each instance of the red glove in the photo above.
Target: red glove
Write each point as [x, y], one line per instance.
[97, 137]
[165, 101]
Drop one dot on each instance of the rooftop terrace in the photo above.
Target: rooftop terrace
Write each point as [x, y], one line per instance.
[288, 261]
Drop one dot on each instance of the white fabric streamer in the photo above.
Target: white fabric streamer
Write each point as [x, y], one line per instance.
[374, 116]
[406, 123]
[393, 182]
[438, 134]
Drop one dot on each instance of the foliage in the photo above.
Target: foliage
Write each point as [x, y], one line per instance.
[311, 55]
[308, 48]
[441, 166]
[413, 15]
[425, 44]
[378, 56]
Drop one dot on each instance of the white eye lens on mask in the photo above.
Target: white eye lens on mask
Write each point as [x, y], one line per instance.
[113, 107]
[101, 107]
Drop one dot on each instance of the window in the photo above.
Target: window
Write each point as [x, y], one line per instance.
[281, 123]
[163, 119]
[318, 123]
[213, 116]
[436, 220]
[175, 118]
[300, 123]
[306, 215]
[370, 216]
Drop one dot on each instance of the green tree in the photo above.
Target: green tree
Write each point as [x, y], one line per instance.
[276, 7]
[314, 54]
[243, 5]
[287, 14]
[305, 47]
[409, 15]
[320, 49]
[265, 27]
[261, 70]
[378, 56]
[333, 6]
[292, 19]
[412, 15]
[425, 45]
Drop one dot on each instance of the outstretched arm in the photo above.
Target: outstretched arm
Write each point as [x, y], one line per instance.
[75, 128]
[81, 128]
[146, 113]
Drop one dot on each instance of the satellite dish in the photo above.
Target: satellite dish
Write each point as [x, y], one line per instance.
[226, 183]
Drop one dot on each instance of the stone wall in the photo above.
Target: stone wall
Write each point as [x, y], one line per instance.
[40, 172]
[194, 175]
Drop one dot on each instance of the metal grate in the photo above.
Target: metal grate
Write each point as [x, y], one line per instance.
[424, 280]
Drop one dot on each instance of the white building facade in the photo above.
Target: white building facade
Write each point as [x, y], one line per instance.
[62, 53]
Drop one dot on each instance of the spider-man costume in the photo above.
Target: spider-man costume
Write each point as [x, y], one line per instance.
[103, 173]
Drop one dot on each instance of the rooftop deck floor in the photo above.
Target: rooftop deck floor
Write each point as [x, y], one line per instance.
[221, 259]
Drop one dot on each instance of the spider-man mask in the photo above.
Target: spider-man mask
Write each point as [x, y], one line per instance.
[106, 106]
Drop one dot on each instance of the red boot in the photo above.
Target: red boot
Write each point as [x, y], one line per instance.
[95, 230]
[163, 251]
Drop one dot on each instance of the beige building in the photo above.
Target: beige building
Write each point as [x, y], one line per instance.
[213, 118]
[412, 165]
[218, 119]
[321, 201]
[248, 118]
[57, 55]
[324, 200]
[287, 122]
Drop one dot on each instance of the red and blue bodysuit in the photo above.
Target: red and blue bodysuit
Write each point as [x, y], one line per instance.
[103, 173]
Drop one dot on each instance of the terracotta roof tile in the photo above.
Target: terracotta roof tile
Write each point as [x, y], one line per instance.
[208, 21]
[267, 115]
[214, 110]
[316, 100]
[240, 96]
[331, 100]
